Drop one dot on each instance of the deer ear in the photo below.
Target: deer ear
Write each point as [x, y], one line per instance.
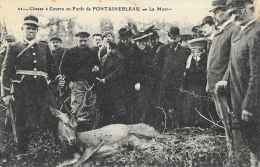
[57, 113]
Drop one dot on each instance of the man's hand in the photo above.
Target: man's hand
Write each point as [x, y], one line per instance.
[221, 86]
[95, 69]
[137, 86]
[246, 115]
[103, 80]
[7, 99]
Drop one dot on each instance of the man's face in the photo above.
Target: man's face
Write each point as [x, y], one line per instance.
[9, 43]
[126, 41]
[245, 12]
[29, 32]
[82, 42]
[108, 38]
[175, 39]
[220, 17]
[207, 29]
[55, 44]
[141, 44]
[154, 41]
[195, 50]
[97, 40]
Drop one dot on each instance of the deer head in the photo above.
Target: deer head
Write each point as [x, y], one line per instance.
[67, 126]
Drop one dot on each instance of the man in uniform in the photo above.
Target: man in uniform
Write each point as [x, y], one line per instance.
[244, 76]
[78, 65]
[25, 78]
[218, 59]
[169, 66]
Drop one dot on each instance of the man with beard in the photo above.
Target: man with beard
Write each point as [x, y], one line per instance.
[244, 76]
[154, 41]
[78, 65]
[218, 59]
[169, 66]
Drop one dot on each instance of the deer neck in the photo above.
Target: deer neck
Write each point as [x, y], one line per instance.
[82, 137]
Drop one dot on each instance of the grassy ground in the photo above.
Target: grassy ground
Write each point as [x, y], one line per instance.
[192, 147]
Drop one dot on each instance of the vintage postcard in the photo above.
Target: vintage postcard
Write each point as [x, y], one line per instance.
[70, 23]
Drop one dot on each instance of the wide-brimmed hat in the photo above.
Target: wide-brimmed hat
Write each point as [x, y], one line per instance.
[197, 43]
[141, 36]
[31, 20]
[154, 35]
[82, 34]
[174, 31]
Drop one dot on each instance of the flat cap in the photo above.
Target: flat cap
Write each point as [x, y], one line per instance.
[97, 34]
[218, 4]
[10, 38]
[82, 34]
[31, 20]
[106, 33]
[56, 38]
[197, 43]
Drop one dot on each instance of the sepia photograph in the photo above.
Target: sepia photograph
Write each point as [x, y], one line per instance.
[130, 83]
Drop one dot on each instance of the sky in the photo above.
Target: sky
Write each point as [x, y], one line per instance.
[191, 11]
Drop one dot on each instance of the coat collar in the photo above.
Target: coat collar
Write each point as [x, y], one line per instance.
[244, 31]
[221, 30]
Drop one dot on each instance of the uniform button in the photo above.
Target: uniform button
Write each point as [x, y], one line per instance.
[35, 69]
[34, 53]
[35, 61]
[32, 47]
[34, 76]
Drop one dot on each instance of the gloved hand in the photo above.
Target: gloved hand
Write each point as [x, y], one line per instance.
[137, 86]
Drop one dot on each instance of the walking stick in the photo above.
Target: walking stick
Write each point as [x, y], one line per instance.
[224, 114]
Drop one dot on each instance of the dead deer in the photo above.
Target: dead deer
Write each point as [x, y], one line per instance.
[104, 141]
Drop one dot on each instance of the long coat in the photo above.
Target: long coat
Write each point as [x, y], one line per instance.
[219, 56]
[174, 62]
[112, 99]
[245, 81]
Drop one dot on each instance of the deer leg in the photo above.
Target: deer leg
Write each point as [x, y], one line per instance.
[86, 154]
[70, 161]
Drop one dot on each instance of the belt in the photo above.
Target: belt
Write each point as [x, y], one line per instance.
[30, 72]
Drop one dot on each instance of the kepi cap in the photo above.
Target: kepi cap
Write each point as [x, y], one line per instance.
[31, 20]
[218, 4]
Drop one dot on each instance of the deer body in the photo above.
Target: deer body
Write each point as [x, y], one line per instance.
[104, 141]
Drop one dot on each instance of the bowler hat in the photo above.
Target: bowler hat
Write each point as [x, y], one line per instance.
[82, 34]
[56, 38]
[31, 20]
[125, 33]
[174, 31]
[197, 43]
[141, 36]
[154, 35]
[207, 20]
[10, 38]
[218, 4]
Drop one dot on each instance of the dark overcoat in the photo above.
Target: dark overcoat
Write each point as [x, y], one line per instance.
[219, 56]
[245, 81]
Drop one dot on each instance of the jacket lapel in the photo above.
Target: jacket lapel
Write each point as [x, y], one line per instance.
[244, 32]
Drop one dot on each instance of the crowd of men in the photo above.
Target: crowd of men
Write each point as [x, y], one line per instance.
[132, 79]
